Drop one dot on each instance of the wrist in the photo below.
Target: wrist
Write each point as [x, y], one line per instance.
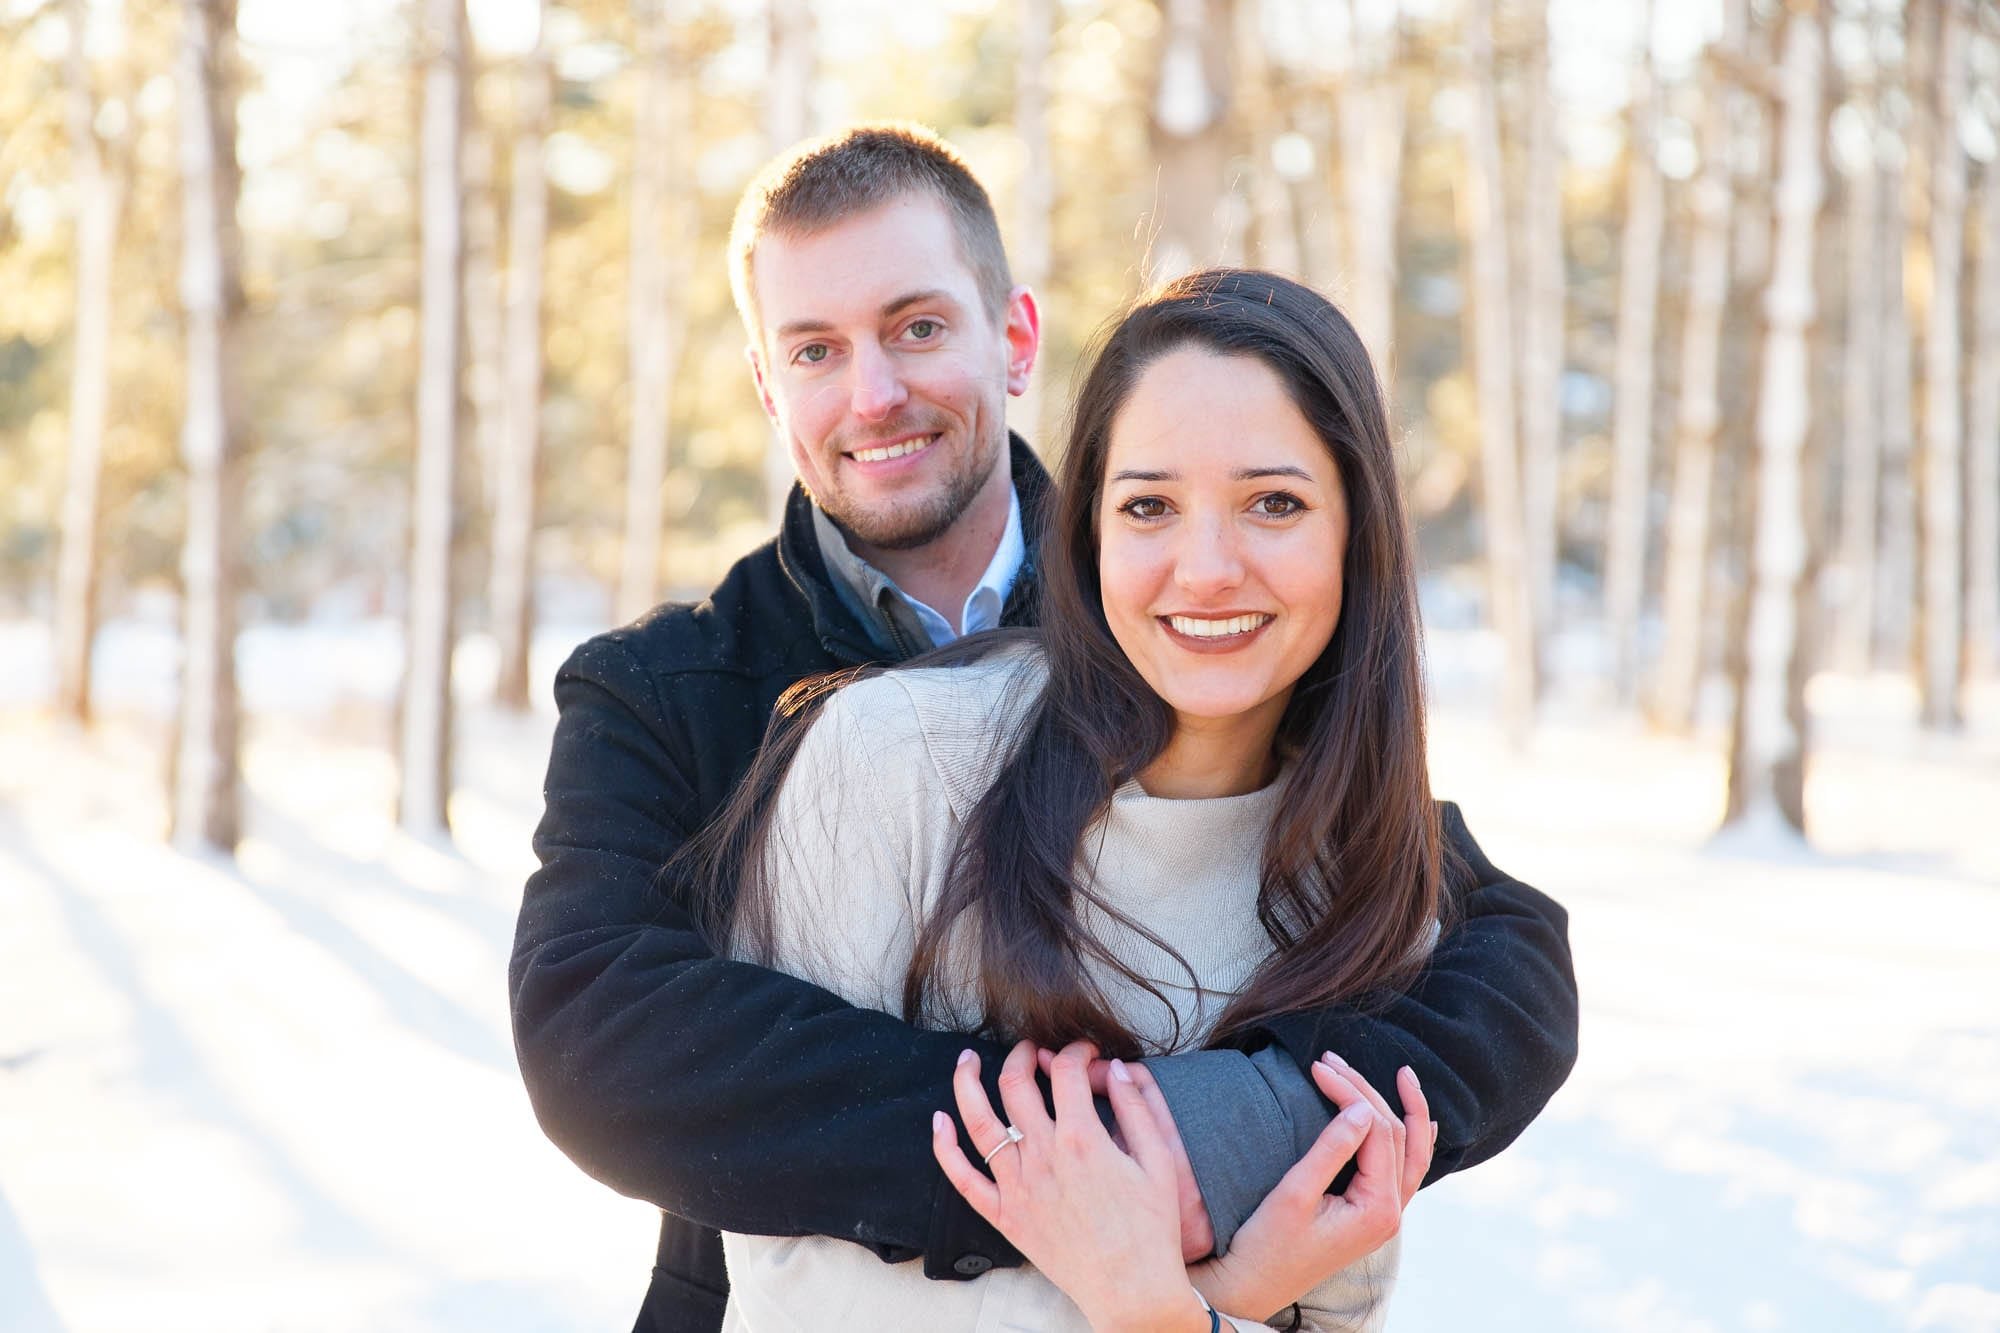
[1181, 1311]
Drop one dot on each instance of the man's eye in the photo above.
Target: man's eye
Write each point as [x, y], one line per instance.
[1144, 507]
[812, 353]
[923, 328]
[1278, 504]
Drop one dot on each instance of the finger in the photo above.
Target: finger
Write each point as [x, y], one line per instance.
[1397, 1133]
[1135, 1120]
[1418, 1139]
[1020, 1095]
[1378, 1166]
[1069, 1084]
[1100, 1071]
[983, 1127]
[1339, 1088]
[1312, 1175]
[971, 1183]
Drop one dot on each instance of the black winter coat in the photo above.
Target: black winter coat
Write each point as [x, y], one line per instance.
[735, 1097]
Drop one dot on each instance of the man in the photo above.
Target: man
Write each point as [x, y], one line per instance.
[885, 336]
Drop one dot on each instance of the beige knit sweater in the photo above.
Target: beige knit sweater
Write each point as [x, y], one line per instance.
[861, 841]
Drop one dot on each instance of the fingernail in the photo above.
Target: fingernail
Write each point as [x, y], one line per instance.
[1434, 1129]
[940, 1122]
[1334, 1060]
[966, 1056]
[1118, 1071]
[1413, 1078]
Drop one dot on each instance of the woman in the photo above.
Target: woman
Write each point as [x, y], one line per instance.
[1196, 799]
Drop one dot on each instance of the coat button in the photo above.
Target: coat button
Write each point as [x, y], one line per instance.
[971, 1265]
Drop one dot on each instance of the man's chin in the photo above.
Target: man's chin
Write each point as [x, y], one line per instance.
[905, 530]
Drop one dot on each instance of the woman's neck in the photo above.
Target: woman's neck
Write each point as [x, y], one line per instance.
[1209, 757]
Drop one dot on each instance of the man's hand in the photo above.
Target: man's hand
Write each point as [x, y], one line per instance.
[1197, 1235]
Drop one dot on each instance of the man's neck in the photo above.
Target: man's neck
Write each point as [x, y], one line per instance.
[942, 573]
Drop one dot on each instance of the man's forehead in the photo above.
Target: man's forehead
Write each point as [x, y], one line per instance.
[862, 267]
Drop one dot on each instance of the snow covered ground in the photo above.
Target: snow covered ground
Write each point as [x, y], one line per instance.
[279, 1094]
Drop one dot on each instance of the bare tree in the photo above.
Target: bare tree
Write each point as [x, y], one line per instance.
[788, 117]
[1035, 198]
[1482, 218]
[1982, 590]
[517, 477]
[1698, 413]
[1632, 421]
[1768, 744]
[1944, 447]
[206, 782]
[425, 723]
[1895, 594]
[1543, 303]
[1188, 120]
[1861, 417]
[653, 316]
[101, 173]
[1372, 121]
[484, 307]
[1274, 231]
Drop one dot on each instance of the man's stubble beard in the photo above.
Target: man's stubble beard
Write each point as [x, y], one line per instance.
[919, 522]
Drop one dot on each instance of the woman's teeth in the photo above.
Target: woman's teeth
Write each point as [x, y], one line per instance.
[1215, 629]
[888, 452]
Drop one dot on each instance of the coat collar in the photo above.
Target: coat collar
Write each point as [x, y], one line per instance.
[836, 627]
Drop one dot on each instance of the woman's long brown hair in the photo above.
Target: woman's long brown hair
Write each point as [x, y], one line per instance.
[1351, 878]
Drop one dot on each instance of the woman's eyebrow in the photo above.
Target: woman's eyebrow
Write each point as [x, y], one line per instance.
[1281, 470]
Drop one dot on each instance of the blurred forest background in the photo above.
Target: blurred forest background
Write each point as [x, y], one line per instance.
[358, 358]
[417, 309]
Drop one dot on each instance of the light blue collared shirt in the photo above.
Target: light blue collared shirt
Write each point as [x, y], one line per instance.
[889, 612]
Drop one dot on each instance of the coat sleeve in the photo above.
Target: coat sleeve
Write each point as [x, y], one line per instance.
[726, 1093]
[1489, 1027]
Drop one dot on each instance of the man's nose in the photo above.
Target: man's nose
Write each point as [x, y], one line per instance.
[877, 388]
[1210, 558]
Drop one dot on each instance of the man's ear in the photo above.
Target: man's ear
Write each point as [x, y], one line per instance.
[757, 374]
[1024, 338]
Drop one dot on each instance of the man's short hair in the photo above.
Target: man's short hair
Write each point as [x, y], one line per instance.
[824, 181]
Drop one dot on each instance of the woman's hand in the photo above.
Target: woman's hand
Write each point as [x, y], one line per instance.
[1100, 1224]
[1301, 1235]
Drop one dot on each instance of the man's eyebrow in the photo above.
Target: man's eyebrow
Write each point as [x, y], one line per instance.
[793, 328]
[916, 298]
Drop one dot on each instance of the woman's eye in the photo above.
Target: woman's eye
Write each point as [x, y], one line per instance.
[1280, 505]
[1144, 507]
[923, 328]
[812, 353]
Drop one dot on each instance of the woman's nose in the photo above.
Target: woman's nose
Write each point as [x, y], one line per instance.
[877, 388]
[1210, 558]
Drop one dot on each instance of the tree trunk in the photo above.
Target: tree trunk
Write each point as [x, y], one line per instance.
[1035, 199]
[1482, 216]
[100, 189]
[653, 316]
[484, 317]
[1698, 416]
[1632, 423]
[1189, 124]
[1895, 594]
[1982, 591]
[425, 744]
[1944, 446]
[1274, 234]
[518, 477]
[1861, 424]
[1543, 289]
[206, 800]
[1768, 747]
[788, 118]
[1371, 170]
